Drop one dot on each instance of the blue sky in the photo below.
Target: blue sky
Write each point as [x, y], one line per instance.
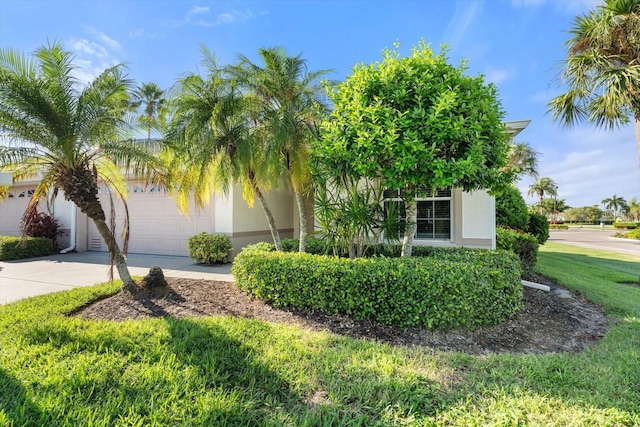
[516, 44]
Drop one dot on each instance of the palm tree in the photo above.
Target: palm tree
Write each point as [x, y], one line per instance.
[291, 108]
[602, 70]
[634, 209]
[522, 160]
[149, 95]
[70, 135]
[541, 187]
[212, 144]
[614, 203]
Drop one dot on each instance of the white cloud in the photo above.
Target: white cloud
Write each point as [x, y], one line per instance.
[198, 16]
[589, 165]
[498, 76]
[140, 33]
[93, 54]
[198, 10]
[462, 18]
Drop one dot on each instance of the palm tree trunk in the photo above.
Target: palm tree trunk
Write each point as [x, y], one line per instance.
[302, 213]
[637, 120]
[275, 234]
[541, 201]
[115, 253]
[411, 208]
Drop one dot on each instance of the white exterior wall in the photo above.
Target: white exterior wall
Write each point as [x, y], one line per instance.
[63, 212]
[478, 215]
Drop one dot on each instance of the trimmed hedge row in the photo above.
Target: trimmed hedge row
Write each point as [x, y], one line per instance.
[627, 225]
[459, 288]
[20, 248]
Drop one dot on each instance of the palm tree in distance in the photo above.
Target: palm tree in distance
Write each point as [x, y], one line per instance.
[522, 160]
[541, 187]
[71, 136]
[614, 203]
[634, 209]
[602, 70]
[212, 143]
[290, 111]
[149, 95]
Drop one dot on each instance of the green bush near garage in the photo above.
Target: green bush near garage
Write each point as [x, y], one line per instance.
[207, 248]
[12, 247]
[462, 288]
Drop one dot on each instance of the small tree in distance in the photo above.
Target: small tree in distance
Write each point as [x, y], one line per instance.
[414, 122]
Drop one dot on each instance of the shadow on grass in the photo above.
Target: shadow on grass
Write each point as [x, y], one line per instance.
[16, 405]
[223, 361]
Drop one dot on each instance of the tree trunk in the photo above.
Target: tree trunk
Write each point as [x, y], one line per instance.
[411, 209]
[272, 222]
[637, 117]
[541, 200]
[115, 253]
[81, 187]
[302, 214]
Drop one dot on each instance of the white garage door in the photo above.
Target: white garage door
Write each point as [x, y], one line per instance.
[156, 225]
[12, 209]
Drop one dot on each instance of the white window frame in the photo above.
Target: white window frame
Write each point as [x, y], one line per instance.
[421, 196]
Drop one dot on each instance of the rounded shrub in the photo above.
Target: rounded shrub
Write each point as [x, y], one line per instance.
[511, 209]
[467, 289]
[206, 248]
[522, 244]
[538, 227]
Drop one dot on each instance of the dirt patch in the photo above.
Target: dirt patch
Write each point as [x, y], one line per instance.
[549, 322]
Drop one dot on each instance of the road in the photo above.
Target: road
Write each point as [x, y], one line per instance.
[595, 239]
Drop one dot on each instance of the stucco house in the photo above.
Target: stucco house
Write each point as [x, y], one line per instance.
[450, 218]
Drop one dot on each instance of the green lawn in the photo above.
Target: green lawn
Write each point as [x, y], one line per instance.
[56, 370]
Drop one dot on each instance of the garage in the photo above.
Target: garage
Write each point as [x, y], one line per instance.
[156, 225]
[13, 207]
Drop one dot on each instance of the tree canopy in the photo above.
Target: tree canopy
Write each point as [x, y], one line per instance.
[414, 121]
[602, 68]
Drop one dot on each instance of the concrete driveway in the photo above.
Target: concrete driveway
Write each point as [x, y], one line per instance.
[38, 276]
[595, 239]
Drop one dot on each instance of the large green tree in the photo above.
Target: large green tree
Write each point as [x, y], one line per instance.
[291, 107]
[71, 135]
[413, 122]
[212, 142]
[541, 187]
[602, 69]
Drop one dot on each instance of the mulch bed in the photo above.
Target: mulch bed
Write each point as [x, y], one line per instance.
[549, 322]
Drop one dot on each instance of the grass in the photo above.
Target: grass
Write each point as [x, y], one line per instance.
[60, 370]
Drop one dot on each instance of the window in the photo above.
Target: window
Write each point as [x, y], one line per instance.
[433, 217]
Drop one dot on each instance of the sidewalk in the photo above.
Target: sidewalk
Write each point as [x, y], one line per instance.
[37, 276]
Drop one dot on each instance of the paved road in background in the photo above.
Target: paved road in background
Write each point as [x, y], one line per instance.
[595, 239]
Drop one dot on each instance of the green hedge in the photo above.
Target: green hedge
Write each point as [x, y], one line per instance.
[20, 248]
[538, 227]
[558, 227]
[206, 248]
[522, 244]
[461, 288]
[511, 209]
[627, 225]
